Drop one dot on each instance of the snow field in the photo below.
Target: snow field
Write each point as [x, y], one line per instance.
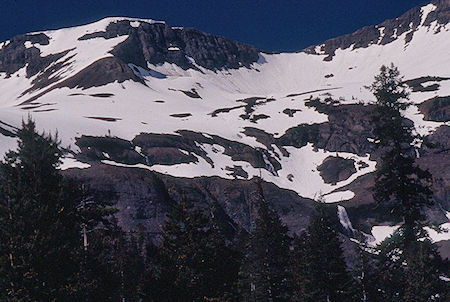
[135, 109]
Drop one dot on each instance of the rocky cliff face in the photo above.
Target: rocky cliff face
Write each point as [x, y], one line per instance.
[153, 43]
[146, 43]
[387, 31]
[159, 43]
[15, 55]
[143, 198]
[149, 112]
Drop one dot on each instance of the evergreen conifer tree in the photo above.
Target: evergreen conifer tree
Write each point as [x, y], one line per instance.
[299, 266]
[42, 218]
[408, 265]
[400, 186]
[325, 277]
[153, 284]
[266, 268]
[114, 266]
[364, 285]
[424, 272]
[410, 271]
[39, 229]
[197, 264]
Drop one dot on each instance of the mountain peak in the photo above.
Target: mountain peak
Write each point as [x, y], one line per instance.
[129, 96]
[436, 14]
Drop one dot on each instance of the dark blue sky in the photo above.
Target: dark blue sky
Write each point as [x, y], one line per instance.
[277, 25]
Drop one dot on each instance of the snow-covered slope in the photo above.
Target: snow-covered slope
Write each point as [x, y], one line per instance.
[120, 77]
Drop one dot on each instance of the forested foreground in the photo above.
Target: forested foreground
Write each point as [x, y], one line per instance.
[58, 243]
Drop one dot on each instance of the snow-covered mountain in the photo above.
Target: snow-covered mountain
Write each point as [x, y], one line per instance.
[146, 110]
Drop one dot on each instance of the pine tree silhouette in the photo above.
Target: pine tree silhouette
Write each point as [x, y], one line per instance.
[44, 220]
[266, 273]
[39, 222]
[325, 277]
[404, 189]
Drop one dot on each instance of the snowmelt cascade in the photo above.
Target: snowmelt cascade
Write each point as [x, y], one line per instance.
[345, 221]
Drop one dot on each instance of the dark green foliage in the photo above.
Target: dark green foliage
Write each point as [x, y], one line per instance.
[410, 271]
[425, 267]
[114, 266]
[195, 261]
[408, 265]
[153, 284]
[389, 271]
[39, 229]
[238, 246]
[265, 272]
[299, 266]
[402, 187]
[389, 89]
[364, 287]
[323, 274]
[43, 220]
[399, 183]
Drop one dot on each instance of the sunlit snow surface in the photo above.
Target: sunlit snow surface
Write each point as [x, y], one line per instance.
[274, 76]
[301, 164]
[440, 236]
[70, 163]
[380, 233]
